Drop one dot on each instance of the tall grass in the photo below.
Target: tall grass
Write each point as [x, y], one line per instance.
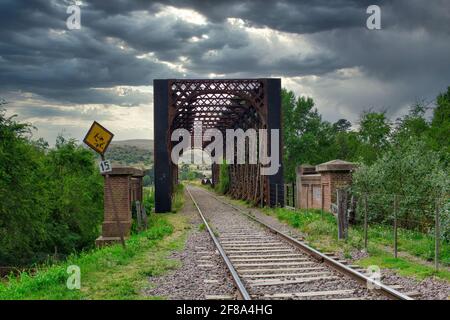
[149, 199]
[224, 178]
[50, 281]
[321, 229]
[178, 198]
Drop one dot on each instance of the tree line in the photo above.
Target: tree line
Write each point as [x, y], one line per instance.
[408, 157]
[308, 139]
[51, 199]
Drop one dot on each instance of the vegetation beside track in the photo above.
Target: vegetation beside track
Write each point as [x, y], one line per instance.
[416, 249]
[109, 272]
[51, 198]
[178, 198]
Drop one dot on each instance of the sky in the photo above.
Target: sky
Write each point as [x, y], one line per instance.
[61, 79]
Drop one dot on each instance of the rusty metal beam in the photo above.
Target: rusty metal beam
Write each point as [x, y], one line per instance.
[222, 104]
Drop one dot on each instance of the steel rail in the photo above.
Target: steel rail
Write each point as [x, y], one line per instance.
[386, 290]
[237, 280]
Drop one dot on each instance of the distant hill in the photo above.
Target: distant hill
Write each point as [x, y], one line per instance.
[135, 152]
[146, 144]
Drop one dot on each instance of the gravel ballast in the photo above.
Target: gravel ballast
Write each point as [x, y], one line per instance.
[231, 226]
[429, 288]
[202, 274]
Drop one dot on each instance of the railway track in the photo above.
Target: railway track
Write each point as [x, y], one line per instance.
[266, 263]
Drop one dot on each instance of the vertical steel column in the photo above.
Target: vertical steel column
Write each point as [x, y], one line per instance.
[274, 118]
[163, 170]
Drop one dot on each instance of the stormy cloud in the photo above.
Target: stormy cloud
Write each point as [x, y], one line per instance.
[319, 48]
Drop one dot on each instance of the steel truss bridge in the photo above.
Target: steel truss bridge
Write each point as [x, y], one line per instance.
[221, 104]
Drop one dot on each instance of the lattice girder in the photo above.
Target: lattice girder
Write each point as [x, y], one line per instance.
[222, 104]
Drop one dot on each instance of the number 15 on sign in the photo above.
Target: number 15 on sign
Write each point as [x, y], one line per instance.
[105, 166]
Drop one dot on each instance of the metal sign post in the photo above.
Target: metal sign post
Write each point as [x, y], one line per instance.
[98, 138]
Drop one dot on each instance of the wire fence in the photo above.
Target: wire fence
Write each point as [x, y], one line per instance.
[415, 217]
[413, 223]
[283, 195]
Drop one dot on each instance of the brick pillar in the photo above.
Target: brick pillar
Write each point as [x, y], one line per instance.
[117, 196]
[307, 179]
[137, 185]
[335, 174]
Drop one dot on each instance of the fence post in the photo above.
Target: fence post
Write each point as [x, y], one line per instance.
[276, 194]
[341, 213]
[307, 198]
[345, 214]
[437, 236]
[322, 199]
[137, 204]
[338, 203]
[293, 194]
[395, 226]
[262, 192]
[365, 221]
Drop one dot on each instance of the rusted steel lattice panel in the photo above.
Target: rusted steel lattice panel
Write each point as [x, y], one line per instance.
[221, 104]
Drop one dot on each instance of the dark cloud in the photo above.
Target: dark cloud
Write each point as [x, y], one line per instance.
[286, 15]
[49, 112]
[129, 43]
[19, 15]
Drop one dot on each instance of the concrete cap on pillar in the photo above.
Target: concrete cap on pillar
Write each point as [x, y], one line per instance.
[138, 173]
[125, 171]
[306, 169]
[335, 165]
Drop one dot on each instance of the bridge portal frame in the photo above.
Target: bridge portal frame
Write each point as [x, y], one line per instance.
[177, 103]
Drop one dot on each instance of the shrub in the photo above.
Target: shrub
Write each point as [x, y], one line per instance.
[149, 200]
[412, 173]
[51, 200]
[178, 198]
[224, 178]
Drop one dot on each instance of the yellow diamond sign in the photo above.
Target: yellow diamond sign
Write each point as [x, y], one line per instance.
[98, 138]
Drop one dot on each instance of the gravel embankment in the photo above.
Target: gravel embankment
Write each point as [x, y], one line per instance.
[202, 273]
[429, 288]
[229, 223]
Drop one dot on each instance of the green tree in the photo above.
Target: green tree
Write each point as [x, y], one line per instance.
[374, 133]
[411, 171]
[440, 126]
[24, 201]
[306, 137]
[224, 178]
[413, 125]
[346, 146]
[49, 198]
[342, 125]
[147, 181]
[77, 196]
